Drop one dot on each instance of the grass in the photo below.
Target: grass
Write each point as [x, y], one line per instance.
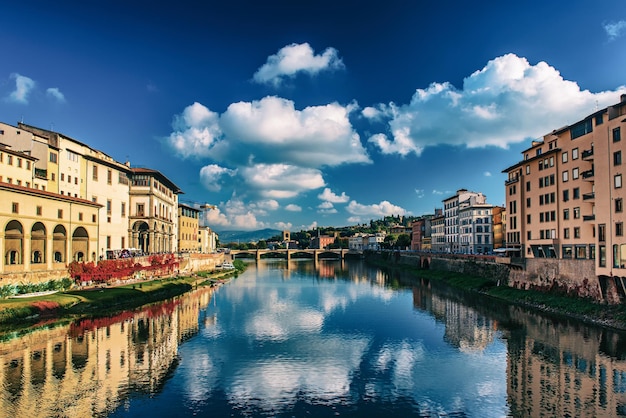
[586, 310]
[105, 300]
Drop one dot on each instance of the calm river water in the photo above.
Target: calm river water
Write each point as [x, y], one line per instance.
[326, 340]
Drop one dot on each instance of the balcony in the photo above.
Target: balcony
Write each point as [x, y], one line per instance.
[41, 173]
[587, 175]
[589, 196]
[589, 218]
[588, 154]
[511, 181]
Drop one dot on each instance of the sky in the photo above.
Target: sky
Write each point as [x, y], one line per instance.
[303, 114]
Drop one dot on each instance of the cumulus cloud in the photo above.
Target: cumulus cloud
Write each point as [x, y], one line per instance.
[326, 207]
[293, 208]
[23, 86]
[508, 101]
[381, 209]
[615, 29]
[196, 130]
[266, 133]
[212, 174]
[293, 59]
[487, 173]
[55, 94]
[328, 196]
[234, 214]
[281, 180]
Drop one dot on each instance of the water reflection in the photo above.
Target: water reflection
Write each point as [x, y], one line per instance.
[318, 339]
[89, 367]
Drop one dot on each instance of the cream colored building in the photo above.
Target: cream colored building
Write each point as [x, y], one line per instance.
[207, 240]
[451, 214]
[153, 211]
[44, 231]
[188, 228]
[565, 198]
[35, 147]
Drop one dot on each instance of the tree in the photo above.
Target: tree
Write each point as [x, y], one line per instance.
[262, 245]
[403, 241]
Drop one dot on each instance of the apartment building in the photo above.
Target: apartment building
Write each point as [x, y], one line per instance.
[438, 232]
[564, 199]
[207, 240]
[451, 214]
[188, 226]
[475, 226]
[35, 147]
[421, 231]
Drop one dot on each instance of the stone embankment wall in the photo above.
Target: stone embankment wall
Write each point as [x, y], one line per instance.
[572, 277]
[192, 262]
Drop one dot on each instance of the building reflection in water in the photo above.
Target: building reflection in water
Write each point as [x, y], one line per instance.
[87, 368]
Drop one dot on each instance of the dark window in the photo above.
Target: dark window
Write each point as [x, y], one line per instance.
[616, 135]
[581, 128]
[617, 158]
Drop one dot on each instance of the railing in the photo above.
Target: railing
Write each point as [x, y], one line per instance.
[511, 181]
[41, 173]
[589, 217]
[587, 154]
[587, 174]
[589, 196]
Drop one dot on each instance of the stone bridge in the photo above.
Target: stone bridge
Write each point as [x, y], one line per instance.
[289, 253]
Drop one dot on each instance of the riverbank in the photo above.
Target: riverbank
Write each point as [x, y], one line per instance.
[554, 303]
[103, 300]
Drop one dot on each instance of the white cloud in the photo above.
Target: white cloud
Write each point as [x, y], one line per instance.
[293, 59]
[196, 131]
[293, 208]
[506, 102]
[383, 208]
[328, 196]
[284, 226]
[419, 193]
[281, 180]
[326, 207]
[23, 87]
[267, 133]
[234, 214]
[211, 176]
[354, 219]
[487, 174]
[615, 29]
[441, 192]
[56, 94]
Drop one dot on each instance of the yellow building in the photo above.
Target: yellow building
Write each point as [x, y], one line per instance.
[43, 231]
[188, 228]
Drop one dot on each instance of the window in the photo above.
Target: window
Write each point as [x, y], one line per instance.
[616, 135]
[565, 195]
[602, 256]
[599, 120]
[80, 216]
[69, 178]
[581, 129]
[528, 186]
[140, 209]
[109, 204]
[577, 232]
[565, 176]
[528, 235]
[93, 218]
[528, 218]
[528, 202]
[62, 177]
[602, 232]
[109, 176]
[9, 159]
[108, 242]
[619, 229]
[576, 213]
[527, 169]
[95, 172]
[617, 181]
[575, 173]
[53, 177]
[565, 233]
[123, 208]
[567, 251]
[619, 204]
[565, 214]
[60, 213]
[575, 154]
[28, 165]
[617, 158]
[564, 157]
[53, 157]
[19, 162]
[72, 156]
[75, 180]
[15, 207]
[576, 193]
[39, 210]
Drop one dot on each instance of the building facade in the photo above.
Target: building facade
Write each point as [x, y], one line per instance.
[565, 197]
[451, 214]
[188, 228]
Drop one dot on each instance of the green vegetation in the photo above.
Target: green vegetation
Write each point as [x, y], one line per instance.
[582, 309]
[105, 300]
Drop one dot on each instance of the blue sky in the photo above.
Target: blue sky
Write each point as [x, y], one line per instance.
[296, 114]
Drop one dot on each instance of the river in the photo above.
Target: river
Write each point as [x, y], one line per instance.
[326, 339]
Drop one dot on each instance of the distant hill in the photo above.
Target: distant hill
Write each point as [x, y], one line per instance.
[226, 237]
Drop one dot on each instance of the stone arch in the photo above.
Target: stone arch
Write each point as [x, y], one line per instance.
[80, 244]
[38, 243]
[141, 236]
[59, 240]
[14, 243]
[425, 263]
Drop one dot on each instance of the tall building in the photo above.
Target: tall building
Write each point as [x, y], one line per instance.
[188, 228]
[451, 213]
[564, 199]
[438, 232]
[475, 226]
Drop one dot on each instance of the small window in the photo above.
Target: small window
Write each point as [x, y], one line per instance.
[617, 158]
[15, 207]
[39, 210]
[60, 213]
[565, 176]
[80, 216]
[565, 214]
[617, 181]
[617, 135]
[53, 157]
[564, 157]
[619, 205]
[575, 173]
[576, 213]
[575, 154]
[577, 232]
[619, 229]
